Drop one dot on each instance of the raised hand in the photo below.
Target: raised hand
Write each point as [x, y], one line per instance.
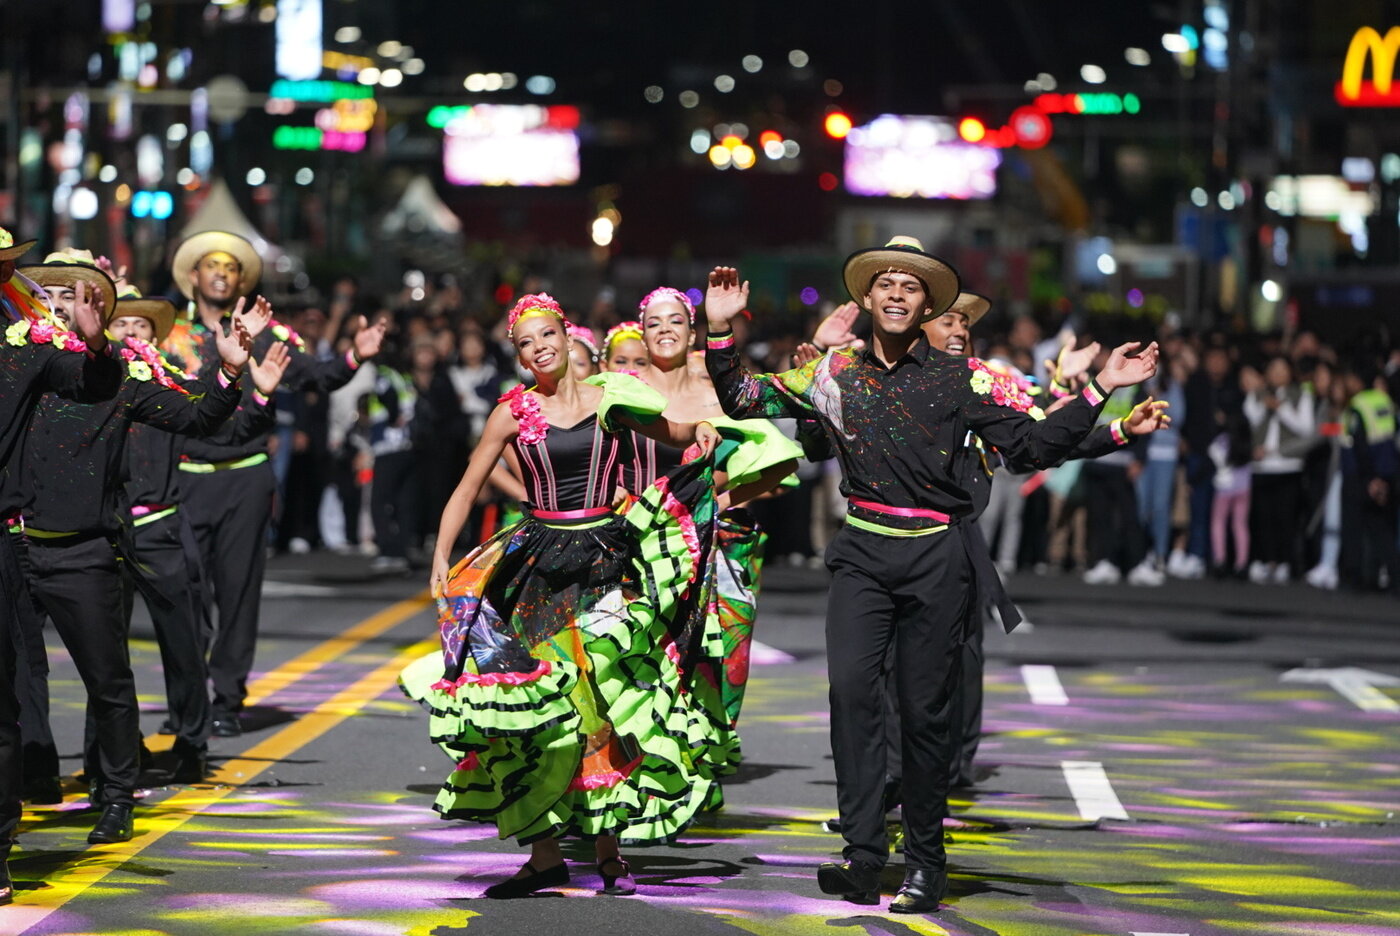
[835, 330]
[90, 316]
[235, 345]
[805, 354]
[1074, 363]
[118, 274]
[370, 338]
[255, 317]
[1125, 371]
[725, 298]
[267, 374]
[1147, 417]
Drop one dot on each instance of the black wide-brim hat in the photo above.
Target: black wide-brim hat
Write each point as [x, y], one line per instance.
[903, 255]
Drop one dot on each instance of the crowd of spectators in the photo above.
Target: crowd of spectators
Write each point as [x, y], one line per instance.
[1281, 464]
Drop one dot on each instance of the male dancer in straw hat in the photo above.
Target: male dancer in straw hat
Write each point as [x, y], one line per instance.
[72, 477]
[901, 573]
[228, 487]
[82, 368]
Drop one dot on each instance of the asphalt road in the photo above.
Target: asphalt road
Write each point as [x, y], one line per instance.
[1199, 759]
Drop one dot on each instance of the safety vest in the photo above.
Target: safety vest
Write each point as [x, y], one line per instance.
[1377, 412]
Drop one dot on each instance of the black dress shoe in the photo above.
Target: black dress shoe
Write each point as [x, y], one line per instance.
[921, 892]
[191, 766]
[114, 826]
[556, 876]
[856, 883]
[225, 725]
[44, 791]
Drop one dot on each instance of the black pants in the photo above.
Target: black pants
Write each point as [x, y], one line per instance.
[12, 592]
[166, 571]
[32, 678]
[77, 585]
[911, 592]
[393, 502]
[1115, 533]
[229, 512]
[1275, 502]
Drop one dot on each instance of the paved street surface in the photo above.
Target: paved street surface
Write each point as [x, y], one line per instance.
[1210, 758]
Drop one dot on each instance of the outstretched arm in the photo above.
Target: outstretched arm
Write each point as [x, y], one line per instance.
[742, 395]
[674, 434]
[501, 427]
[768, 479]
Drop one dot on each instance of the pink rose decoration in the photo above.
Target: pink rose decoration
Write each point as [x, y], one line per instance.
[42, 332]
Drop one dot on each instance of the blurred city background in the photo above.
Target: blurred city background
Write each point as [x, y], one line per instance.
[1223, 175]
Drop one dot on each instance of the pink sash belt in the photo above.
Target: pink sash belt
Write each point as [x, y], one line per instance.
[900, 511]
[586, 513]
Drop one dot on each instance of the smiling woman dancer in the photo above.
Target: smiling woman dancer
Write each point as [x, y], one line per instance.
[556, 692]
[752, 459]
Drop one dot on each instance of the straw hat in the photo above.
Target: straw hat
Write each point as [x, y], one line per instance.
[157, 310]
[902, 255]
[973, 305]
[9, 250]
[68, 268]
[198, 246]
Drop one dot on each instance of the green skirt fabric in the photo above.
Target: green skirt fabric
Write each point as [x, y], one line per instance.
[557, 693]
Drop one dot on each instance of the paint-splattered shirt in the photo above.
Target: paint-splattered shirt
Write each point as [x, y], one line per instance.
[28, 370]
[895, 430]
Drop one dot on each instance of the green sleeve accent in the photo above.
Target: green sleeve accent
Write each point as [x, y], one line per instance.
[750, 446]
[629, 394]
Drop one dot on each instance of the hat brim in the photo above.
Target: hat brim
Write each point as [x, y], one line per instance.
[70, 275]
[941, 279]
[15, 251]
[973, 305]
[198, 246]
[159, 312]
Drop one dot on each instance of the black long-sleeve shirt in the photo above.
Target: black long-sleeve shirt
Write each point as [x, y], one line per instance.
[74, 460]
[304, 372]
[28, 370]
[896, 430]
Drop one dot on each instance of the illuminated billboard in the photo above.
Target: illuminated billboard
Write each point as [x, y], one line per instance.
[510, 144]
[918, 157]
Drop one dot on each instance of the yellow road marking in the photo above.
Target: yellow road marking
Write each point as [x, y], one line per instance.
[276, 680]
[155, 822]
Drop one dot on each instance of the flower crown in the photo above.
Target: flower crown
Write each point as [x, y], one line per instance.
[533, 302]
[584, 335]
[621, 332]
[668, 294]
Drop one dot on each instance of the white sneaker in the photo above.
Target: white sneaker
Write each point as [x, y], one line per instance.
[1280, 574]
[389, 564]
[1195, 568]
[298, 546]
[1258, 573]
[1105, 573]
[1145, 573]
[1324, 577]
[1177, 564]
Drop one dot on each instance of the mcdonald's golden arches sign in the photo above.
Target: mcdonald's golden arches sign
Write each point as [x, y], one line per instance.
[1383, 90]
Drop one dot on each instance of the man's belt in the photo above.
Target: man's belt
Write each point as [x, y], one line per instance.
[143, 514]
[939, 520]
[198, 467]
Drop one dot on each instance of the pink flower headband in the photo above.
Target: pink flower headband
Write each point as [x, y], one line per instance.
[621, 332]
[665, 294]
[585, 335]
[534, 303]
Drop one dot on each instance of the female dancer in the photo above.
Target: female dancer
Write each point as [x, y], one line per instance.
[584, 352]
[623, 350]
[555, 691]
[753, 459]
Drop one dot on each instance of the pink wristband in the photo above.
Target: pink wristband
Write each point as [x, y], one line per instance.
[1093, 395]
[719, 344]
[224, 380]
[350, 359]
[1115, 429]
[258, 398]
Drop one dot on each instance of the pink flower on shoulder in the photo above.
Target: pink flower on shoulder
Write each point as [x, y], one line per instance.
[525, 407]
[42, 332]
